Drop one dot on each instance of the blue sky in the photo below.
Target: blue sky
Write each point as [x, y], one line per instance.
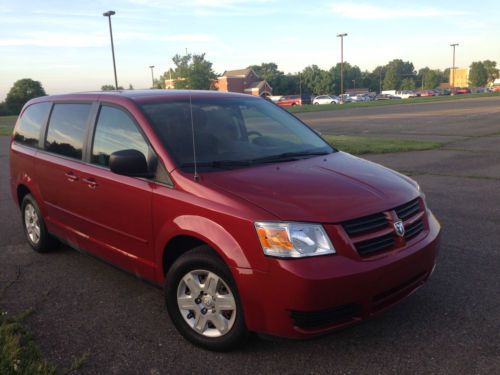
[65, 44]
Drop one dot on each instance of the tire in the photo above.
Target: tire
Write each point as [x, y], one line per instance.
[200, 280]
[34, 226]
[316, 103]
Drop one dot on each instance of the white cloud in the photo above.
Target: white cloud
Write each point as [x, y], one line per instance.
[372, 12]
[55, 39]
[78, 40]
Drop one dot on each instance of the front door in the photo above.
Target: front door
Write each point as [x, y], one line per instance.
[118, 208]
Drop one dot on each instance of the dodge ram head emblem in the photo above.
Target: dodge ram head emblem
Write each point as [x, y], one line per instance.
[400, 228]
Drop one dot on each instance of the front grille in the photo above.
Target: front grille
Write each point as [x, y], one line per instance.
[414, 229]
[375, 233]
[407, 210]
[376, 244]
[365, 224]
[321, 318]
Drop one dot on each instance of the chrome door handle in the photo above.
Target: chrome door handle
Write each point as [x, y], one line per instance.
[91, 183]
[71, 177]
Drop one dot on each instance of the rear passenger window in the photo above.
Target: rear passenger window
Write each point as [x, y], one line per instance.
[32, 120]
[67, 129]
[115, 131]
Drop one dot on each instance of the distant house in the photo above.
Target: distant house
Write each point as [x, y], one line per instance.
[244, 81]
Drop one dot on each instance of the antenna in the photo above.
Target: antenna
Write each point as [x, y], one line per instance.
[196, 177]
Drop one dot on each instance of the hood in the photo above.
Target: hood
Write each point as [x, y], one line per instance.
[324, 189]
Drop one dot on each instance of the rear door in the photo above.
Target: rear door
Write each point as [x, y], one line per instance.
[119, 207]
[58, 168]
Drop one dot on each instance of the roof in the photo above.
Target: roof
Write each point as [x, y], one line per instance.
[238, 72]
[257, 85]
[141, 96]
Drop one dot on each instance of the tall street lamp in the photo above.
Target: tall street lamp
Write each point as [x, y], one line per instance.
[453, 68]
[108, 14]
[341, 36]
[152, 76]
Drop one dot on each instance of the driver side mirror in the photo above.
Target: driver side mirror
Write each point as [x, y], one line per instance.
[130, 163]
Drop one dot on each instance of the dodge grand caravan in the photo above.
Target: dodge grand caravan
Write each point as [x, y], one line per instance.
[246, 216]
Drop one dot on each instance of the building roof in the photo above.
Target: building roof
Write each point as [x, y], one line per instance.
[238, 72]
[258, 85]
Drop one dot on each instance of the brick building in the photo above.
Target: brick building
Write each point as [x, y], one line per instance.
[244, 81]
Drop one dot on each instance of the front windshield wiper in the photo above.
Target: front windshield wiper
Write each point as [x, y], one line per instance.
[287, 156]
[219, 163]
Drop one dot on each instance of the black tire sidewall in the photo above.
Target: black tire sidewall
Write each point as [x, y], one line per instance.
[203, 258]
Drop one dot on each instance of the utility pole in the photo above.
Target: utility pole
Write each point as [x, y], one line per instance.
[152, 76]
[453, 68]
[380, 81]
[341, 36]
[108, 14]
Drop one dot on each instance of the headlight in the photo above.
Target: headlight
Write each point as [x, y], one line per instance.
[293, 240]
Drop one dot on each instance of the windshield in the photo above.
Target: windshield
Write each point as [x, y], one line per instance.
[231, 132]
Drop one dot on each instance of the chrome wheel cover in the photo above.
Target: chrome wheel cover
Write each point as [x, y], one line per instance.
[206, 303]
[32, 223]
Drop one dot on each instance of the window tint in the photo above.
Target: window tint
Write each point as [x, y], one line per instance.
[115, 131]
[28, 131]
[67, 129]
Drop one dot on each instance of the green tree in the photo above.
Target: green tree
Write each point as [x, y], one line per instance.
[392, 80]
[316, 81]
[430, 79]
[110, 87]
[478, 75]
[22, 91]
[191, 72]
[268, 71]
[351, 73]
[491, 69]
[408, 84]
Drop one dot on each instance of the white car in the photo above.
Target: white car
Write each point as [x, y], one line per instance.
[326, 99]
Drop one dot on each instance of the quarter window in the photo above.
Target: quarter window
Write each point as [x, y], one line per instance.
[115, 131]
[32, 120]
[67, 129]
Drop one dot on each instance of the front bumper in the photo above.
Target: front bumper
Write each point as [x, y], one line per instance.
[300, 298]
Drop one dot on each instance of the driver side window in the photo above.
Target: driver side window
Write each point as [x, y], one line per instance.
[115, 131]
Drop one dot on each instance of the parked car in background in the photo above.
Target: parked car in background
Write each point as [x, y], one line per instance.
[326, 99]
[345, 98]
[360, 98]
[460, 90]
[386, 97]
[293, 100]
[406, 94]
[427, 93]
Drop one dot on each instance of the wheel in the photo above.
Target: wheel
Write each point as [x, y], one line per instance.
[34, 226]
[316, 103]
[203, 301]
[333, 102]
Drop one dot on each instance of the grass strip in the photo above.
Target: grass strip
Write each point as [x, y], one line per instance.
[369, 145]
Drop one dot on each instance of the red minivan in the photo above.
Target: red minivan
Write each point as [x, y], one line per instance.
[246, 216]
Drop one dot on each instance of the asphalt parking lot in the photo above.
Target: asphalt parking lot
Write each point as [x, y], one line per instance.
[451, 325]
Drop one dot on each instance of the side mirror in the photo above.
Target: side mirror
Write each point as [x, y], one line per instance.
[129, 163]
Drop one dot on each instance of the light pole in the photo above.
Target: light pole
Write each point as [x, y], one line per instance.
[341, 36]
[152, 76]
[108, 14]
[354, 83]
[453, 68]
